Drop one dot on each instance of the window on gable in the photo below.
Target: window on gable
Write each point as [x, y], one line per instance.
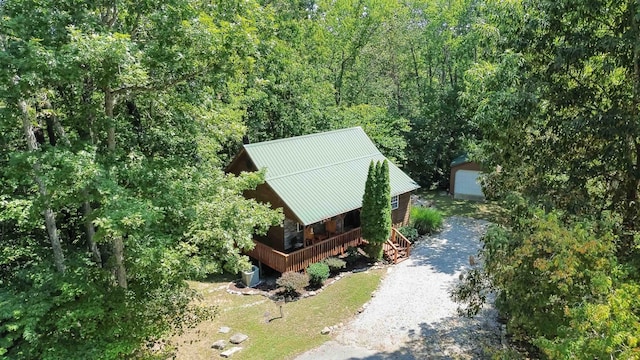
[395, 202]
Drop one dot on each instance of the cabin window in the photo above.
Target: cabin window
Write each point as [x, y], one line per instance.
[395, 202]
[299, 227]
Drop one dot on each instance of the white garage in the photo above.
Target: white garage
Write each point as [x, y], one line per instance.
[467, 184]
[465, 179]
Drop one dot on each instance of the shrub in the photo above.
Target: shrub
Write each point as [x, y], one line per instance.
[409, 232]
[426, 220]
[293, 282]
[318, 273]
[335, 264]
[352, 254]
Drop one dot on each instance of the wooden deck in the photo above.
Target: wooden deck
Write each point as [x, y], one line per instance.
[301, 259]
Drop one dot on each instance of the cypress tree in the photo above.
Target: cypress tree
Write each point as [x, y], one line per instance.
[375, 216]
[368, 204]
[384, 191]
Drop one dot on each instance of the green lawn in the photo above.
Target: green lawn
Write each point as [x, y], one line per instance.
[487, 210]
[284, 338]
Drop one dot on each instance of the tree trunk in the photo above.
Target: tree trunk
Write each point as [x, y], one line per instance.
[117, 241]
[416, 73]
[86, 205]
[90, 229]
[338, 82]
[49, 216]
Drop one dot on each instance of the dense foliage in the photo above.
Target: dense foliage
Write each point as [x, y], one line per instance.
[559, 117]
[113, 120]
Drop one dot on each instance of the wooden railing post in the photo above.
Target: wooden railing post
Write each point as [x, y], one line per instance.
[300, 259]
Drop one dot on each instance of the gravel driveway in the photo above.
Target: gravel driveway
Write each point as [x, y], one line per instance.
[411, 315]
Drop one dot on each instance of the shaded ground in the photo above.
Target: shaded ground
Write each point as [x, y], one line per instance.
[486, 210]
[411, 315]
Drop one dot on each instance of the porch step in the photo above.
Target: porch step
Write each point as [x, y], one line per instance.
[402, 253]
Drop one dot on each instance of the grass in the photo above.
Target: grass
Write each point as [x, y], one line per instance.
[280, 338]
[486, 210]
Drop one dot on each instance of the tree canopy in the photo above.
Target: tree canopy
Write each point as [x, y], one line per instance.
[558, 113]
[114, 119]
[118, 119]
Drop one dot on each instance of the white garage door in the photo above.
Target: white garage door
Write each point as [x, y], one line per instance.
[466, 184]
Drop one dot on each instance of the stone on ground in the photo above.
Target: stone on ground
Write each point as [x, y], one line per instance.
[224, 330]
[325, 331]
[228, 353]
[220, 344]
[238, 338]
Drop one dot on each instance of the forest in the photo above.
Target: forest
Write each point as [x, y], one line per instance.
[117, 119]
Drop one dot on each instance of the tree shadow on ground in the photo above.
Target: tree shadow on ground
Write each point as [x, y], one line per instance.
[449, 251]
[452, 338]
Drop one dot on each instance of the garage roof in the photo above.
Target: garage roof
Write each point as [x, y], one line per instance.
[462, 159]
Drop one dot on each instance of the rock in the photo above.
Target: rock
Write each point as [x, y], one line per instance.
[312, 293]
[220, 344]
[228, 353]
[238, 338]
[224, 330]
[325, 331]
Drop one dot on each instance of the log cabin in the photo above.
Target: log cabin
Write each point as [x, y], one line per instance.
[318, 180]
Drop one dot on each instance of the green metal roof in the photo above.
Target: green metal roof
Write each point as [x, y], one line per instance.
[460, 160]
[322, 175]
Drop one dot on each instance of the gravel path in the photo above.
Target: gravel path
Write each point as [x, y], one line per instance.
[411, 315]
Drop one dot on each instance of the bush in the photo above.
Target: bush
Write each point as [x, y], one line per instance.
[426, 220]
[352, 252]
[293, 282]
[318, 273]
[335, 264]
[352, 255]
[409, 232]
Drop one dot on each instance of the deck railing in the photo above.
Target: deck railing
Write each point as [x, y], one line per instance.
[401, 240]
[395, 244]
[301, 259]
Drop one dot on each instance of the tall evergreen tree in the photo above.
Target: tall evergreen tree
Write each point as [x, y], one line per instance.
[384, 194]
[376, 208]
[368, 203]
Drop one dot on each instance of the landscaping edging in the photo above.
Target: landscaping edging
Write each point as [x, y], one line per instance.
[273, 293]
